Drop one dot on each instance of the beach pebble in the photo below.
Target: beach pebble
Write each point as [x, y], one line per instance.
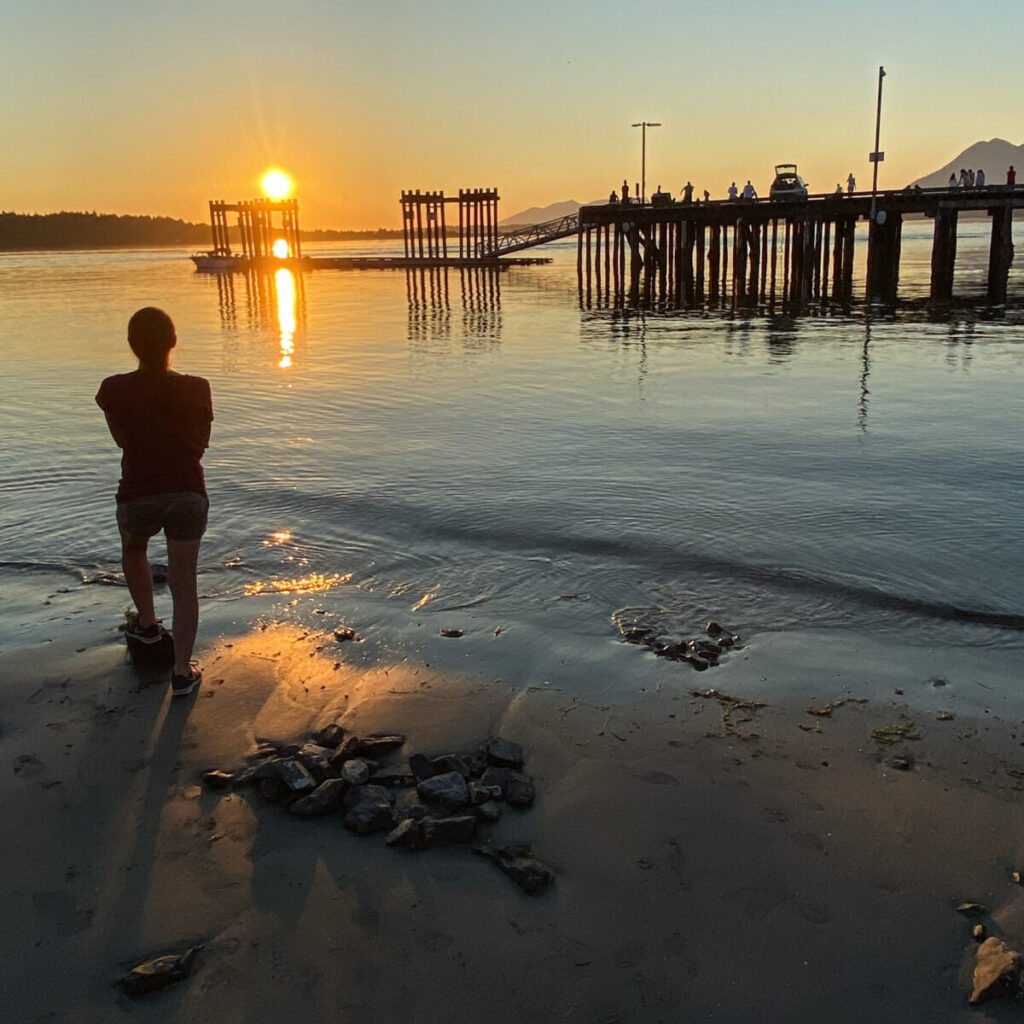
[487, 811]
[451, 631]
[325, 799]
[329, 736]
[449, 790]
[355, 772]
[504, 753]
[420, 766]
[515, 787]
[996, 971]
[978, 932]
[158, 973]
[368, 809]
[344, 633]
[901, 762]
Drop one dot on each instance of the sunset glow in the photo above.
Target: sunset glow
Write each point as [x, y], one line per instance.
[280, 248]
[276, 184]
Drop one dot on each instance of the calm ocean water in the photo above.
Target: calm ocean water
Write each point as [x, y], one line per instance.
[455, 441]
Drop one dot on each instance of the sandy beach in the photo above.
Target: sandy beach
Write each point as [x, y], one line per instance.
[715, 861]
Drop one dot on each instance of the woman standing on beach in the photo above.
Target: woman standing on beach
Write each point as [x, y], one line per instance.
[161, 421]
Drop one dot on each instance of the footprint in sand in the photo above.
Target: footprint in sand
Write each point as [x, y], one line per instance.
[58, 908]
[28, 766]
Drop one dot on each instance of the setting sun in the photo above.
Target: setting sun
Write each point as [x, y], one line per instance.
[276, 184]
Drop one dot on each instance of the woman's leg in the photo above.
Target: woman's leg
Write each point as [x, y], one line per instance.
[182, 559]
[138, 575]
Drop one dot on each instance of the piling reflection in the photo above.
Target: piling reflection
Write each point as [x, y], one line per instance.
[429, 290]
[272, 304]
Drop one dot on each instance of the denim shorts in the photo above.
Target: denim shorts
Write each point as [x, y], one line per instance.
[180, 514]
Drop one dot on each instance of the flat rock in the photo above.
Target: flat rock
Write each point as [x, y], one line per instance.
[314, 756]
[346, 750]
[504, 753]
[407, 834]
[158, 973]
[397, 776]
[456, 829]
[377, 745]
[518, 862]
[325, 799]
[449, 790]
[216, 779]
[295, 775]
[996, 971]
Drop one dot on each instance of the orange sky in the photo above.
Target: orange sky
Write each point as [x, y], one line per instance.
[156, 108]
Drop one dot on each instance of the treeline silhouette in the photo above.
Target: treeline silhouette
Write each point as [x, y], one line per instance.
[70, 230]
[95, 231]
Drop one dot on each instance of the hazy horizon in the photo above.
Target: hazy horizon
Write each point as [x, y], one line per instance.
[155, 110]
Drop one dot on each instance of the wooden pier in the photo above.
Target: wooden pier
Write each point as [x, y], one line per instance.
[791, 253]
[425, 234]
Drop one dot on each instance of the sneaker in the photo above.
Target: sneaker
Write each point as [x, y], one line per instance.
[148, 635]
[181, 686]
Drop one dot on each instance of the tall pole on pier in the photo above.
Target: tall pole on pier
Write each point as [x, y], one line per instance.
[643, 126]
[877, 156]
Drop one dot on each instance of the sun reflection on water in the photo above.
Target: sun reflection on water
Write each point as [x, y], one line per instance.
[284, 283]
[310, 584]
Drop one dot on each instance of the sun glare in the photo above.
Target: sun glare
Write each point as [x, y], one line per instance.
[280, 248]
[276, 184]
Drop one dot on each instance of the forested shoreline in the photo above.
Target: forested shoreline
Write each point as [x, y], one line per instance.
[78, 230]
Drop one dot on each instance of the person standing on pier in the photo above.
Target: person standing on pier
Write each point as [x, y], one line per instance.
[732, 192]
[952, 181]
[979, 179]
[851, 184]
[161, 421]
[1011, 176]
[688, 193]
[625, 191]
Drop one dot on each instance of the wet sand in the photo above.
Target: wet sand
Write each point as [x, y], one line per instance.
[713, 862]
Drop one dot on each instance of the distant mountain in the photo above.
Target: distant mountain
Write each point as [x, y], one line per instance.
[539, 214]
[993, 156]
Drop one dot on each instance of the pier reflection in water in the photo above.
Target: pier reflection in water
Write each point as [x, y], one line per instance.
[274, 304]
[430, 305]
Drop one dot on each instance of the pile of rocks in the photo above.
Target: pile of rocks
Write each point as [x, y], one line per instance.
[424, 802]
[701, 652]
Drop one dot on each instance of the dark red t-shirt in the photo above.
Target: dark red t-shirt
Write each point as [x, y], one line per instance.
[162, 423]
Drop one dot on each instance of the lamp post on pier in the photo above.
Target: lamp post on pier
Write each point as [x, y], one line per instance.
[877, 156]
[643, 126]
